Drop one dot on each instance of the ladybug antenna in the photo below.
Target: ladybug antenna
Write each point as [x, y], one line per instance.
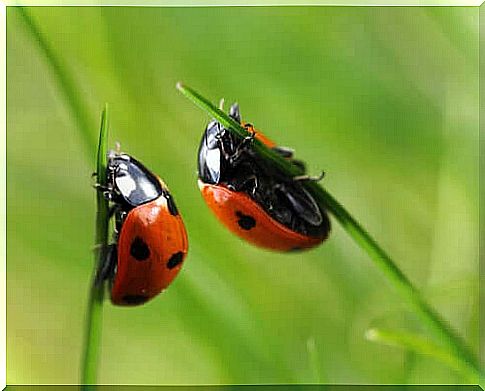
[117, 147]
[234, 112]
[309, 178]
[221, 104]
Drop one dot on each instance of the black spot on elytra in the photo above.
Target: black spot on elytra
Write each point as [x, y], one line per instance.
[139, 249]
[134, 299]
[172, 208]
[245, 221]
[175, 259]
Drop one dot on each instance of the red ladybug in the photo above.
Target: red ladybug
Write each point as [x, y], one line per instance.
[151, 241]
[253, 198]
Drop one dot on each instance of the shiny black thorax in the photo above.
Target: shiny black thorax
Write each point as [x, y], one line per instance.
[131, 184]
[228, 160]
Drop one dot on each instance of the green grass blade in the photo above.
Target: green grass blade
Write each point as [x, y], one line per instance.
[102, 155]
[419, 344]
[435, 324]
[81, 115]
[396, 278]
[314, 360]
[229, 123]
[94, 315]
[66, 81]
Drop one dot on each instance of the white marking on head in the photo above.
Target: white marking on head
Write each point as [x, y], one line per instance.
[126, 184]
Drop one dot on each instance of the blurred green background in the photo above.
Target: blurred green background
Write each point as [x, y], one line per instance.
[384, 99]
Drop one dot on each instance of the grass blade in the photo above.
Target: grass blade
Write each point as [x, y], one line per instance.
[314, 359]
[422, 345]
[94, 314]
[81, 115]
[432, 320]
[235, 127]
[66, 81]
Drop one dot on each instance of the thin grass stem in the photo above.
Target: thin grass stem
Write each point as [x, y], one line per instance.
[314, 360]
[81, 114]
[67, 83]
[94, 313]
[419, 344]
[453, 344]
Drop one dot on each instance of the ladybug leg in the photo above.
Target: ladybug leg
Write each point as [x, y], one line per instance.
[250, 129]
[300, 164]
[100, 187]
[231, 151]
[288, 153]
[112, 210]
[234, 113]
[227, 155]
[317, 178]
[225, 147]
[120, 216]
[302, 202]
[243, 145]
[253, 179]
[248, 140]
[249, 183]
[284, 151]
[245, 179]
[106, 190]
[108, 266]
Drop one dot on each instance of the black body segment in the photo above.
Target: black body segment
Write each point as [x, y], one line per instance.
[229, 160]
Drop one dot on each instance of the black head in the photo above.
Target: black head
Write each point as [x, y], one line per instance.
[132, 181]
[216, 146]
[210, 154]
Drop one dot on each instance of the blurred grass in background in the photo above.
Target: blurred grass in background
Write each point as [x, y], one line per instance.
[384, 99]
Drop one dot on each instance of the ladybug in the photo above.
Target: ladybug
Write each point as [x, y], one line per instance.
[150, 237]
[252, 197]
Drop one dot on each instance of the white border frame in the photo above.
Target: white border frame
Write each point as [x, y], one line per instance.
[168, 3]
[244, 3]
[3, 204]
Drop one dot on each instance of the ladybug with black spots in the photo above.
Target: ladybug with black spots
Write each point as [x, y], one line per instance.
[150, 237]
[252, 197]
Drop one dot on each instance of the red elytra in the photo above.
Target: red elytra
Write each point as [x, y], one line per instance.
[152, 246]
[244, 217]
